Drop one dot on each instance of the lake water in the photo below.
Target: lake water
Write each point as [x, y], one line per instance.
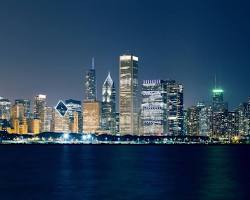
[124, 172]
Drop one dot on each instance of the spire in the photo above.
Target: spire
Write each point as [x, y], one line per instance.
[93, 63]
[108, 80]
[215, 82]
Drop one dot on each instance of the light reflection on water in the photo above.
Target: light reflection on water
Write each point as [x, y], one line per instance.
[124, 172]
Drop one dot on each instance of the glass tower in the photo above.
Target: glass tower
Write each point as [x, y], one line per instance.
[108, 118]
[90, 84]
[175, 112]
[128, 98]
[153, 108]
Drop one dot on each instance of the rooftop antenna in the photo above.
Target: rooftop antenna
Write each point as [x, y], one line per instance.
[215, 81]
[93, 63]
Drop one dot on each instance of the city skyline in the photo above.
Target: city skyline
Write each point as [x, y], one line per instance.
[190, 43]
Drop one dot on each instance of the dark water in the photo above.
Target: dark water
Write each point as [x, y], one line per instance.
[124, 172]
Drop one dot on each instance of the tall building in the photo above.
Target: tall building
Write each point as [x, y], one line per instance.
[48, 115]
[108, 114]
[205, 121]
[60, 122]
[27, 107]
[90, 84]
[153, 108]
[219, 114]
[91, 116]
[232, 124]
[5, 109]
[175, 111]
[128, 98]
[39, 109]
[75, 115]
[193, 119]
[243, 112]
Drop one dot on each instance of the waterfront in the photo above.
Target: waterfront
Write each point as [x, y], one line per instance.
[124, 171]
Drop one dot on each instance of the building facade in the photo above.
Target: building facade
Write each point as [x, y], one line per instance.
[128, 96]
[108, 118]
[153, 115]
[175, 111]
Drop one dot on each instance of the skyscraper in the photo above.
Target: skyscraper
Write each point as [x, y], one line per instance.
[128, 99]
[90, 84]
[39, 109]
[219, 114]
[175, 112]
[5, 109]
[60, 122]
[153, 108]
[108, 115]
[27, 107]
[75, 115]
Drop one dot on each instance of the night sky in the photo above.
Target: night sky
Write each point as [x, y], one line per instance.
[46, 45]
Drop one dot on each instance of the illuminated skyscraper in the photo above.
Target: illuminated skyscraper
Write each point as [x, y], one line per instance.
[75, 115]
[243, 112]
[48, 111]
[90, 84]
[39, 109]
[193, 119]
[108, 118]
[60, 122]
[5, 109]
[175, 112]
[205, 120]
[91, 116]
[219, 115]
[153, 108]
[128, 99]
[27, 107]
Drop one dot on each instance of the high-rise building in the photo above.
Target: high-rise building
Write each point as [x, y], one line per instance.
[91, 116]
[75, 115]
[108, 114]
[175, 111]
[243, 112]
[128, 99]
[205, 121]
[39, 109]
[232, 124]
[60, 122]
[193, 119]
[90, 84]
[48, 115]
[219, 115]
[27, 107]
[5, 109]
[153, 108]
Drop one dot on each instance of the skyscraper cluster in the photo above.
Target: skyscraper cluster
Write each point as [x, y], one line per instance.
[150, 108]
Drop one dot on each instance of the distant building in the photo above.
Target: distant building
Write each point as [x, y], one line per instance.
[60, 122]
[91, 116]
[108, 118]
[27, 107]
[48, 115]
[219, 114]
[243, 112]
[39, 109]
[75, 115]
[175, 110]
[5, 109]
[153, 108]
[90, 84]
[128, 99]
[232, 124]
[193, 119]
[205, 121]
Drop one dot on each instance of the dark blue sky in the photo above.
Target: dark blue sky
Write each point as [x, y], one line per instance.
[46, 45]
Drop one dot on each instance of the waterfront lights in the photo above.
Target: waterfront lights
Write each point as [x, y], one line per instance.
[66, 136]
